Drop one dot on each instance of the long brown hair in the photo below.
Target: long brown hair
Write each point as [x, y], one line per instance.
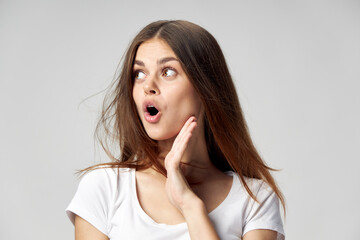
[228, 140]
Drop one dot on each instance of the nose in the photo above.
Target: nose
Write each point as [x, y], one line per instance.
[150, 88]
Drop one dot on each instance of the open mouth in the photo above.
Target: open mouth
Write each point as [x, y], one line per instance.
[152, 110]
[152, 113]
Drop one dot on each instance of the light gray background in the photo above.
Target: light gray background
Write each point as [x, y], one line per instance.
[296, 67]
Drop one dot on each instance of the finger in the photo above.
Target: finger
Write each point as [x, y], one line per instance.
[182, 144]
[187, 124]
[184, 128]
[188, 128]
[177, 151]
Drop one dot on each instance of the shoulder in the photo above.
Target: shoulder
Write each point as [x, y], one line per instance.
[105, 175]
[104, 182]
[95, 196]
[257, 186]
[244, 213]
[264, 212]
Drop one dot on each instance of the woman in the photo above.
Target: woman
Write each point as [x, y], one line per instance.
[187, 167]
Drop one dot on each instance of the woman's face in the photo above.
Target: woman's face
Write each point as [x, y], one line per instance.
[162, 92]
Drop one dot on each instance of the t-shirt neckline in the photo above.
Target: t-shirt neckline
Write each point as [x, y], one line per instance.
[148, 219]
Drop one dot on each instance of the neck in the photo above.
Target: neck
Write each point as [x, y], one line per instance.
[195, 163]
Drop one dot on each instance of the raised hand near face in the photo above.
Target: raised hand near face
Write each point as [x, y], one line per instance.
[177, 188]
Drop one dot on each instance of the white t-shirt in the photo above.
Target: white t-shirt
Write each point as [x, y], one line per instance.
[109, 202]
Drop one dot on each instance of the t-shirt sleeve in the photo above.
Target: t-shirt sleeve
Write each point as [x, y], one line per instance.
[91, 200]
[265, 214]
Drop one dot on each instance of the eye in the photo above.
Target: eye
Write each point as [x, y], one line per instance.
[168, 72]
[139, 75]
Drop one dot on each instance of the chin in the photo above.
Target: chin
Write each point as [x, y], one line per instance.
[160, 135]
[164, 130]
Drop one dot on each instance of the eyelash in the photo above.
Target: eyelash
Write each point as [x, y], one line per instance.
[136, 72]
[168, 68]
[163, 70]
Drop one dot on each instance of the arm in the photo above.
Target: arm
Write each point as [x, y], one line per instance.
[263, 219]
[179, 192]
[260, 234]
[199, 224]
[86, 231]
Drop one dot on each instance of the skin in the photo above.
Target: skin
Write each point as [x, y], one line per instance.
[180, 135]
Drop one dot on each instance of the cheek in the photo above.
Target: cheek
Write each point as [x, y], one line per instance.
[185, 103]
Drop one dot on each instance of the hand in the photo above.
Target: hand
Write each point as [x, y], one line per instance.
[177, 188]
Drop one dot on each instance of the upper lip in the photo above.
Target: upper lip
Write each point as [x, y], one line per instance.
[148, 103]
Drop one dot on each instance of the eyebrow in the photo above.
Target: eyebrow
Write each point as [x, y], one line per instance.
[159, 62]
[165, 60]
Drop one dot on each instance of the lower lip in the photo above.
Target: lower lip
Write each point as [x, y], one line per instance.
[152, 119]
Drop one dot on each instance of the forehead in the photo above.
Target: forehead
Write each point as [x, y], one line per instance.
[154, 48]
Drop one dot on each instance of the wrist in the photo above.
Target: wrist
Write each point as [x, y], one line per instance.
[193, 207]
